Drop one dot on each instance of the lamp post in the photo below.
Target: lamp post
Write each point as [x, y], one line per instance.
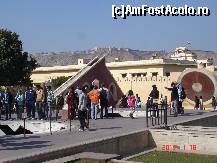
[24, 126]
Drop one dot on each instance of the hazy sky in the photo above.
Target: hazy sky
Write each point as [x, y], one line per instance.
[64, 25]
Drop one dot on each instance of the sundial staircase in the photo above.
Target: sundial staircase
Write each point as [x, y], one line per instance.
[65, 86]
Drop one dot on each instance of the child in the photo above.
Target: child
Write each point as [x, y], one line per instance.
[148, 103]
[213, 103]
[138, 103]
[201, 103]
[197, 103]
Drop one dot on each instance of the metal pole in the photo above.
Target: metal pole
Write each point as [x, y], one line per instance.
[161, 113]
[88, 118]
[50, 117]
[24, 126]
[165, 115]
[158, 117]
[147, 116]
[70, 122]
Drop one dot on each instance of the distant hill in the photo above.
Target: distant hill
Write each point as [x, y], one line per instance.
[123, 54]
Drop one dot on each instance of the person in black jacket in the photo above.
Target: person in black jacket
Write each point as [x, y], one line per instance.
[175, 98]
[154, 93]
[104, 92]
[154, 99]
[7, 102]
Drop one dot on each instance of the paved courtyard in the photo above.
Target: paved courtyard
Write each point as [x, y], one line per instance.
[12, 147]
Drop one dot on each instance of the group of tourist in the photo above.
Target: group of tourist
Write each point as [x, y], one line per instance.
[42, 100]
[39, 99]
[177, 97]
[84, 99]
[199, 103]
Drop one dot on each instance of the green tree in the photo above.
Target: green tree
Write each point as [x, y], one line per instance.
[59, 81]
[15, 65]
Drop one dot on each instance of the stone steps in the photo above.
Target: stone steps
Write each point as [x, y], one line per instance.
[86, 156]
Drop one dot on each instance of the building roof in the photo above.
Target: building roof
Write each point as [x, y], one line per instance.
[121, 64]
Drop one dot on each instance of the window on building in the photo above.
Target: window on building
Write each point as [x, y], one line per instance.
[154, 73]
[144, 74]
[139, 75]
[167, 74]
[124, 75]
[133, 75]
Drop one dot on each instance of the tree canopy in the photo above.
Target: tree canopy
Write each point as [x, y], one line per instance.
[15, 65]
[56, 82]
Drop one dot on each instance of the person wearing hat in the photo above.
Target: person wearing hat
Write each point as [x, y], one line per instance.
[154, 93]
[154, 98]
[174, 97]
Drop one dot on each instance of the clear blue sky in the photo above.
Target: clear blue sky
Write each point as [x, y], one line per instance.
[64, 25]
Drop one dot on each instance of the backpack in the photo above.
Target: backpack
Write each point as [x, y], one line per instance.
[60, 101]
[183, 94]
[103, 95]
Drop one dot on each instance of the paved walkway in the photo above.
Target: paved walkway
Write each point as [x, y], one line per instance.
[12, 147]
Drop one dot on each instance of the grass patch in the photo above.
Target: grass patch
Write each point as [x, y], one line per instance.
[174, 157]
[90, 161]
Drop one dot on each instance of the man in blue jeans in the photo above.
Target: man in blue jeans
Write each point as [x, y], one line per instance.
[30, 97]
[7, 102]
[174, 97]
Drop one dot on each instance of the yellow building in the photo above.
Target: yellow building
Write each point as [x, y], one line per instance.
[136, 75]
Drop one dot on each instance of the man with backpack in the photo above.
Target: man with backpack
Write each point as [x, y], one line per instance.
[59, 104]
[177, 97]
[104, 101]
[182, 96]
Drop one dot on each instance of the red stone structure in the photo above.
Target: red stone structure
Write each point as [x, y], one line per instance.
[97, 72]
[198, 82]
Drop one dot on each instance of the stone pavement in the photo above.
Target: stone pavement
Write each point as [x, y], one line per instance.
[13, 147]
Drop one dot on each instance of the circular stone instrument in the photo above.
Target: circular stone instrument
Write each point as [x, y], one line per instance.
[198, 82]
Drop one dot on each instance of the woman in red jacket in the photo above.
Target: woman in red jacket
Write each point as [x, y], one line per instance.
[71, 101]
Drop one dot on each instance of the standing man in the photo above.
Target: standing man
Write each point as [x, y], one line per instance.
[82, 109]
[94, 98]
[1, 102]
[7, 102]
[45, 103]
[39, 101]
[154, 93]
[154, 99]
[175, 98]
[30, 97]
[213, 103]
[20, 101]
[104, 101]
[50, 100]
